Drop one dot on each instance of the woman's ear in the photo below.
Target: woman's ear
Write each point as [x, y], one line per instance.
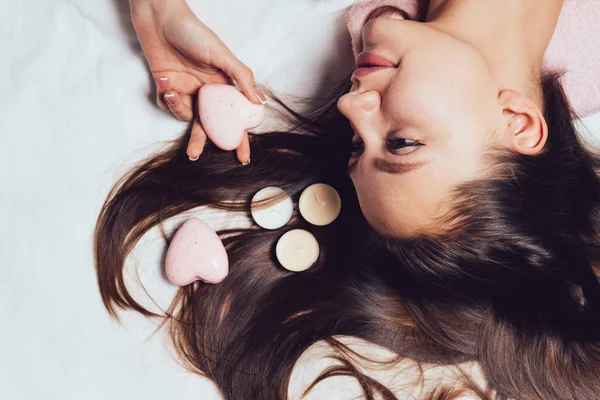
[525, 124]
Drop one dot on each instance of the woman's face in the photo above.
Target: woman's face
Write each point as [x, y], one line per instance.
[421, 126]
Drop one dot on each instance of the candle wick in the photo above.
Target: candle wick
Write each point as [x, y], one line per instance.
[318, 199]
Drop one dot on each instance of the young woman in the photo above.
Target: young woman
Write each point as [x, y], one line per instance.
[468, 235]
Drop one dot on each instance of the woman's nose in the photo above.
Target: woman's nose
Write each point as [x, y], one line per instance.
[358, 106]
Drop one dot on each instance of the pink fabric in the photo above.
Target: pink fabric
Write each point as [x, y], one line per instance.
[574, 48]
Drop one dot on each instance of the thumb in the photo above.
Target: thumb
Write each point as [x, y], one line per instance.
[197, 41]
[243, 75]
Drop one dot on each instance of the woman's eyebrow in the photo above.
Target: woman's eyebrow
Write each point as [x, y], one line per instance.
[395, 168]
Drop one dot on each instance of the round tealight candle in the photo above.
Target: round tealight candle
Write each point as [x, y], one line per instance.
[320, 204]
[297, 250]
[273, 216]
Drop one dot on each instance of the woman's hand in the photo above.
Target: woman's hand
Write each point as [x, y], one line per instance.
[183, 54]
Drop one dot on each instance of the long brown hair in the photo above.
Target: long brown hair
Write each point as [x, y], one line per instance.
[512, 286]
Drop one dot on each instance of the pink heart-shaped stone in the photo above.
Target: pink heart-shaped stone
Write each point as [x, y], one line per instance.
[226, 114]
[196, 253]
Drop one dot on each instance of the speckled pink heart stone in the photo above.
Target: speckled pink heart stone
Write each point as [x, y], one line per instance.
[226, 114]
[196, 253]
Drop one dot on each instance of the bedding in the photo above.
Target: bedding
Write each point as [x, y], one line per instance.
[77, 112]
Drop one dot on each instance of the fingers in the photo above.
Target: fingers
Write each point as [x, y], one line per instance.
[197, 141]
[243, 150]
[162, 85]
[179, 105]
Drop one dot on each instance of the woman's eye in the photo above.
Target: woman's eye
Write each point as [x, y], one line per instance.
[402, 146]
[357, 147]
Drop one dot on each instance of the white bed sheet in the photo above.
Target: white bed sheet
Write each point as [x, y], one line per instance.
[76, 112]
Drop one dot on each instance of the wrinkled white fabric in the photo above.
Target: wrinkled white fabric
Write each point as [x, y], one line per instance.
[76, 112]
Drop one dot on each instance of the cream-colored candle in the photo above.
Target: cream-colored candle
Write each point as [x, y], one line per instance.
[320, 204]
[297, 250]
[272, 216]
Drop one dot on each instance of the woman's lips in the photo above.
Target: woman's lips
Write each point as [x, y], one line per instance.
[387, 12]
[368, 60]
[360, 72]
[367, 63]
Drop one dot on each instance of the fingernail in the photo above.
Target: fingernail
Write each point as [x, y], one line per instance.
[194, 159]
[260, 95]
[163, 84]
[169, 98]
[246, 163]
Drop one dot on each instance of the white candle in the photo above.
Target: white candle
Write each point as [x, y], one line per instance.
[297, 250]
[273, 216]
[320, 204]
